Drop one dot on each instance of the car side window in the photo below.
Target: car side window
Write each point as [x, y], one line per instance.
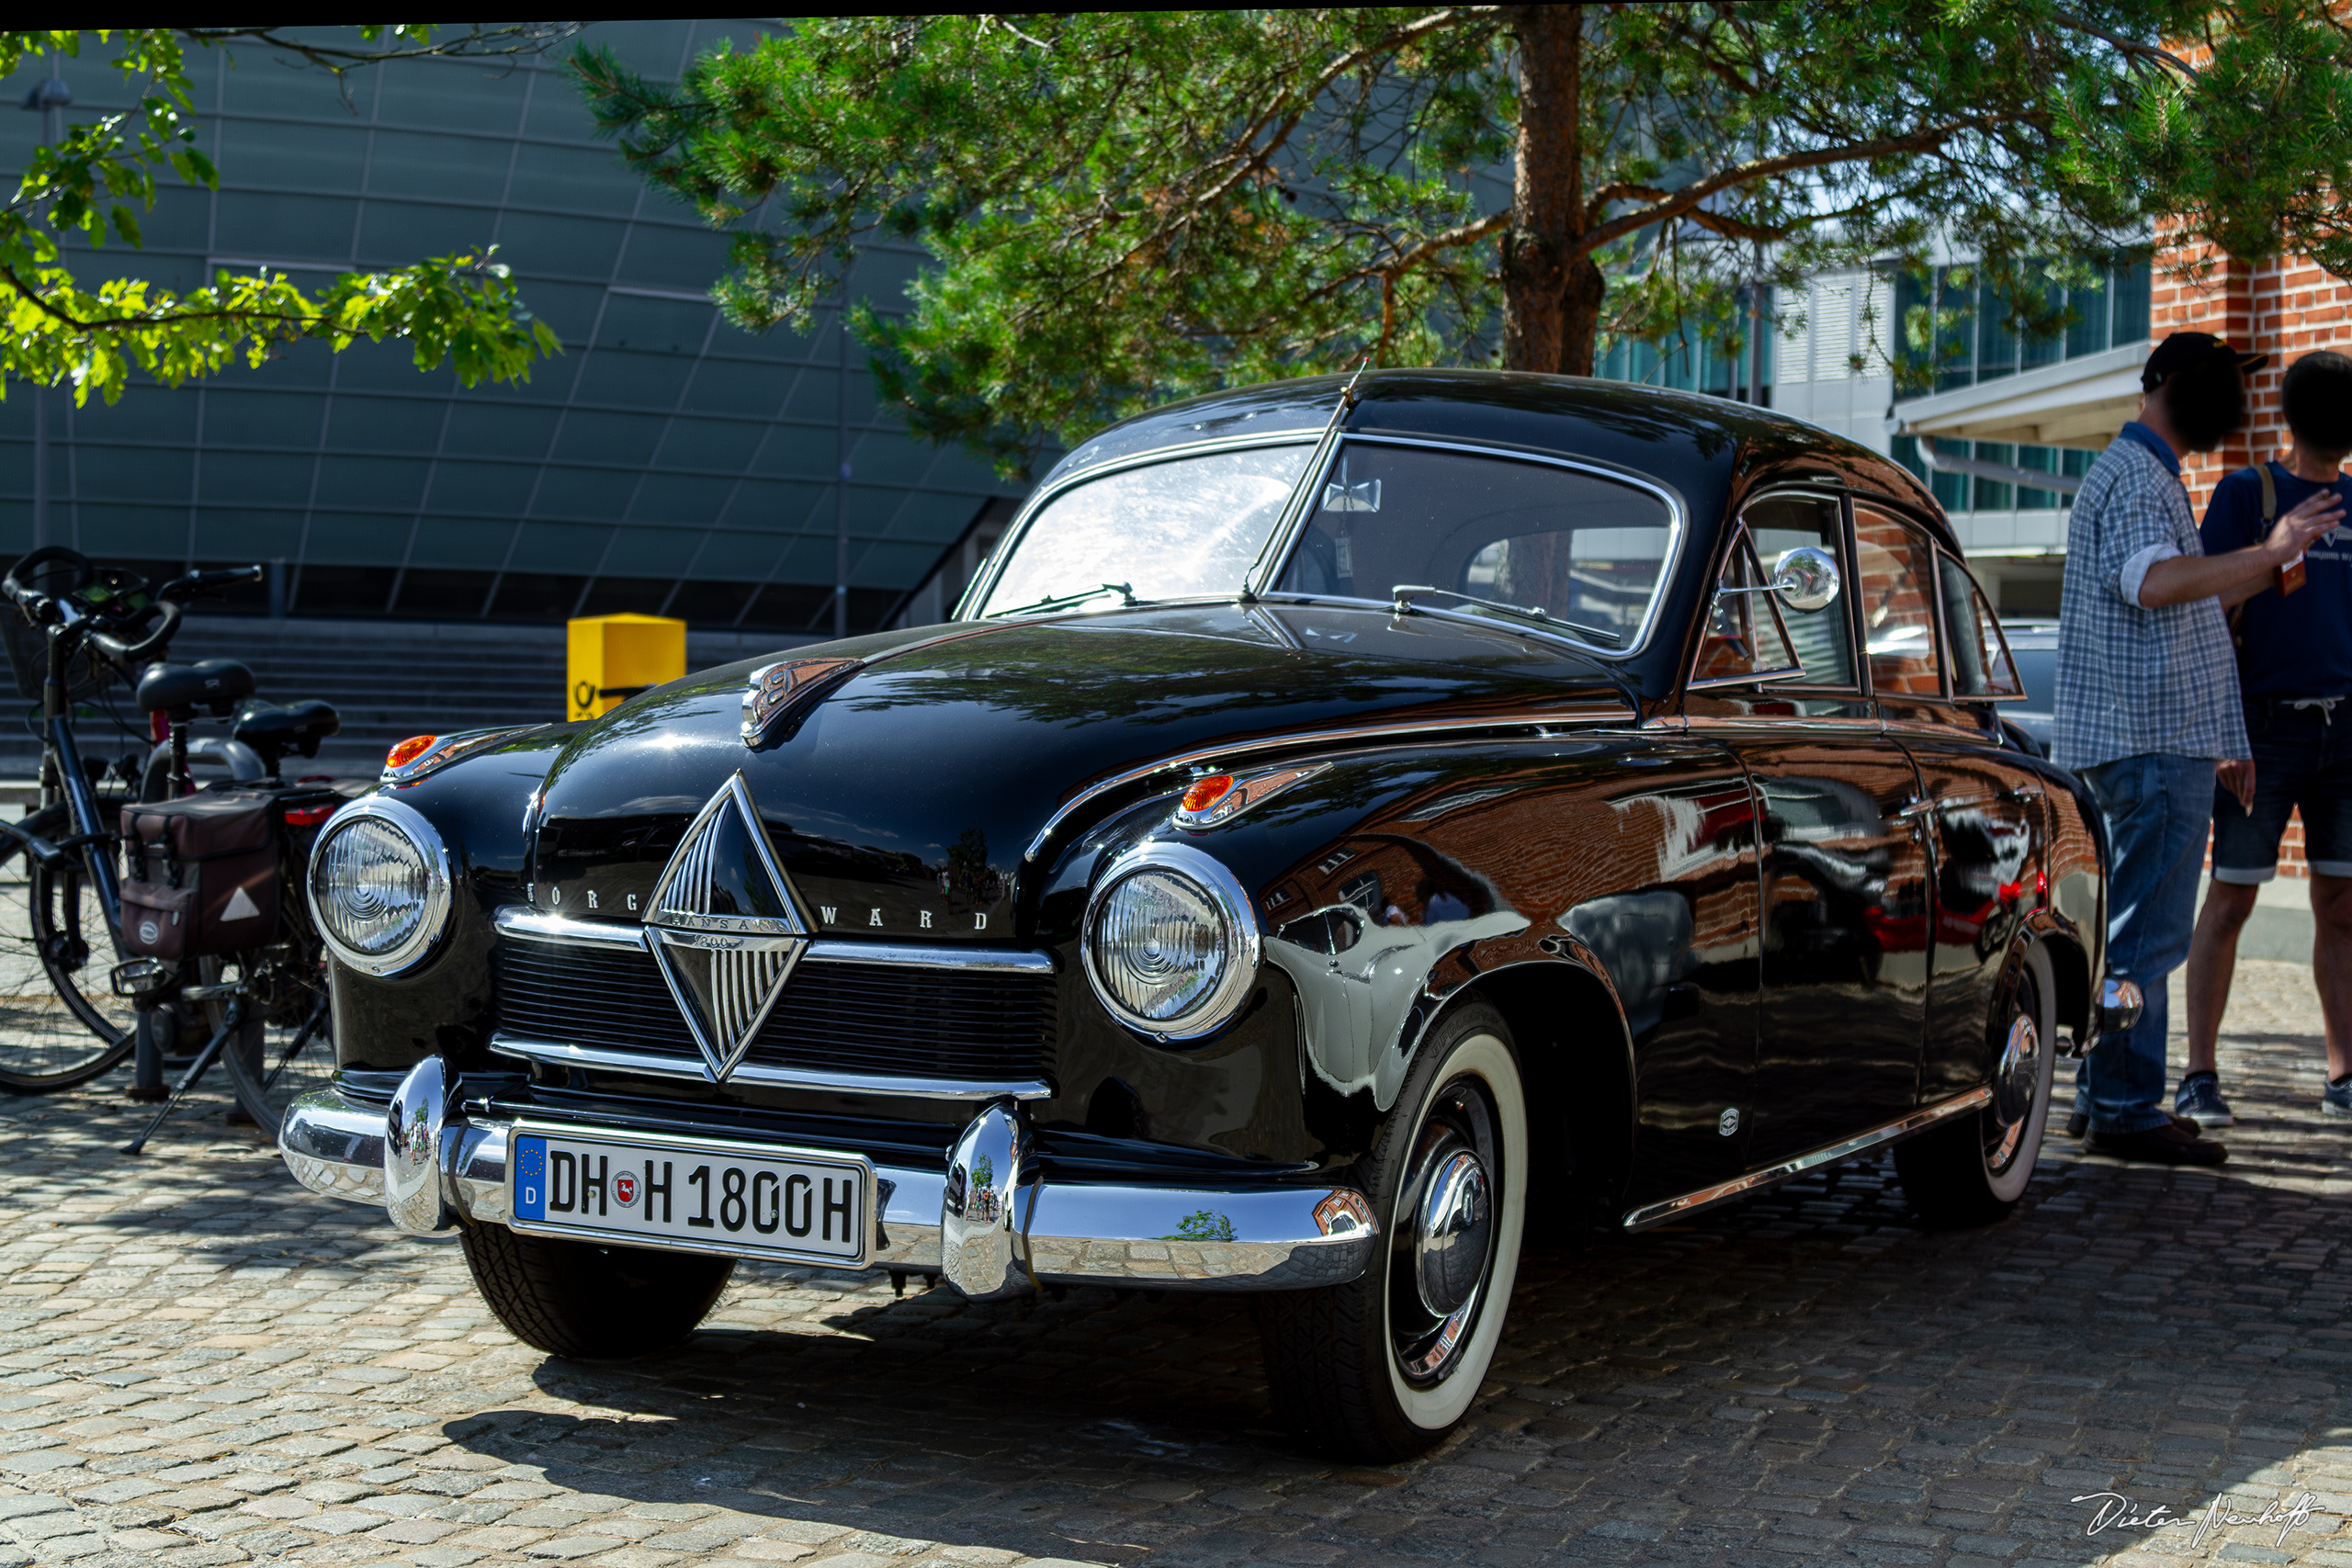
[1894, 573]
[1823, 638]
[1745, 636]
[1980, 666]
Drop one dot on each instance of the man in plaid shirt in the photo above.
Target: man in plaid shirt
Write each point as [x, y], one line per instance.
[2147, 709]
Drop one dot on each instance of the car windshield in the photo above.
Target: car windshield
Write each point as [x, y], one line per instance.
[1172, 530]
[1584, 549]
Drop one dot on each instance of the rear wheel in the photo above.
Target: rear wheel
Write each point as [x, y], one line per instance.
[578, 1298]
[1386, 1366]
[1972, 1169]
[60, 1023]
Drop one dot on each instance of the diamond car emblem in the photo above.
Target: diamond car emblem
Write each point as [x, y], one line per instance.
[772, 688]
[725, 928]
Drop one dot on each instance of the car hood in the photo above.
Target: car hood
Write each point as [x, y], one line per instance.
[900, 797]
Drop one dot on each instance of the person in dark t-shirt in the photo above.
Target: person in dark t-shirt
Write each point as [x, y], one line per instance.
[2295, 674]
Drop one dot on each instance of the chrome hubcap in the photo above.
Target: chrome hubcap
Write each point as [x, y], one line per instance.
[1450, 1234]
[1444, 1238]
[2014, 1082]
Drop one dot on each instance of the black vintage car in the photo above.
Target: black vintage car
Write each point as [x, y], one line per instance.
[1346, 835]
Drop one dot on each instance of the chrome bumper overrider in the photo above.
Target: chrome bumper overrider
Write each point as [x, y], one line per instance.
[1001, 1233]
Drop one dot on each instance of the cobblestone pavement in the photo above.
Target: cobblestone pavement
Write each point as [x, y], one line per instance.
[199, 1363]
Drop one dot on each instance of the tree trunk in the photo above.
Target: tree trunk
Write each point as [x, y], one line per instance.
[1551, 291]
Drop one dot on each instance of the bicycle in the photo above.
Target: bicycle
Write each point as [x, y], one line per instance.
[261, 1009]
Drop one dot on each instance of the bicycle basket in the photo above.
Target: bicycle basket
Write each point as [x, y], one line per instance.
[29, 660]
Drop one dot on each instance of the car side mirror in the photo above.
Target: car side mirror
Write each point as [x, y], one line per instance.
[1806, 579]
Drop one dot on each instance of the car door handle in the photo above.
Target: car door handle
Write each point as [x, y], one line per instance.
[1915, 810]
[2023, 794]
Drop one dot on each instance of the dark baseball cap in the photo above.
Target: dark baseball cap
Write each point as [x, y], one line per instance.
[2183, 350]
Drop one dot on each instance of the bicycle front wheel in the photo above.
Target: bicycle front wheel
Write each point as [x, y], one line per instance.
[289, 1049]
[60, 1023]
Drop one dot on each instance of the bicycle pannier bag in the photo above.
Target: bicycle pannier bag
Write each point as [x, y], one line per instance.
[203, 875]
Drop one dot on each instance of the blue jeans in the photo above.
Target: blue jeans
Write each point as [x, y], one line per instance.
[2158, 808]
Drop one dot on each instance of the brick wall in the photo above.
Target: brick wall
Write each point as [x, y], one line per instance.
[2285, 308]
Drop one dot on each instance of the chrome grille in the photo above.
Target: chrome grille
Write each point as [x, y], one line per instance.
[901, 1020]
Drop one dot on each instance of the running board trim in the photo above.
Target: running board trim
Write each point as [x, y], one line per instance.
[1772, 1176]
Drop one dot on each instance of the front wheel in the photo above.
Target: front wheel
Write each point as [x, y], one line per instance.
[1384, 1366]
[1972, 1169]
[60, 1023]
[580, 1297]
[286, 1050]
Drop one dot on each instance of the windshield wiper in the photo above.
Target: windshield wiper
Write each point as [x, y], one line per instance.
[1403, 605]
[1126, 592]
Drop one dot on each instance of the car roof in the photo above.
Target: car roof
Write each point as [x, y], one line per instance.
[1706, 447]
[1711, 452]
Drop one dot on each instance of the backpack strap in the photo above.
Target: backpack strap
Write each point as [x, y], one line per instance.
[2269, 515]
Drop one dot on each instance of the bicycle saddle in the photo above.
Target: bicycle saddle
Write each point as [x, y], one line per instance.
[176, 688]
[273, 731]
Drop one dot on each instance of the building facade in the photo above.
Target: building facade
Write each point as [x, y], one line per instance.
[665, 462]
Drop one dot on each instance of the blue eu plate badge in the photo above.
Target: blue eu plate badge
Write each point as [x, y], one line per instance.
[530, 1178]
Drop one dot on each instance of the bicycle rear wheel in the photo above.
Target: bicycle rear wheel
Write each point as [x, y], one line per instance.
[60, 1023]
[288, 1050]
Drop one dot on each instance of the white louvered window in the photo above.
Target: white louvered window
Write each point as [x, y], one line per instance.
[1792, 355]
[1832, 329]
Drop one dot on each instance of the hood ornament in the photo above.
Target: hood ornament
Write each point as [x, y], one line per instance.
[725, 928]
[773, 688]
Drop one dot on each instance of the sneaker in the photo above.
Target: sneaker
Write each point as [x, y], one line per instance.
[2201, 1100]
[2167, 1145]
[2335, 1099]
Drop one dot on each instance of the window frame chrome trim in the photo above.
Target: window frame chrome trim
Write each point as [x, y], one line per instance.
[1260, 584]
[1741, 535]
[559, 1053]
[439, 904]
[1848, 598]
[976, 593]
[536, 925]
[1976, 591]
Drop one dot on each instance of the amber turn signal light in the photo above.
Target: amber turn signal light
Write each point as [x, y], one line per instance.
[1207, 791]
[415, 746]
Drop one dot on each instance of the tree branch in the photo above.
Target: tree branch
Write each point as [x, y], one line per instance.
[1684, 202]
[2131, 49]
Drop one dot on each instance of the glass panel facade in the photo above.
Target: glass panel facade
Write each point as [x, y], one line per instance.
[1977, 344]
[665, 463]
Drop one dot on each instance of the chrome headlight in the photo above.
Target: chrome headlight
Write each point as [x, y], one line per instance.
[1171, 943]
[379, 886]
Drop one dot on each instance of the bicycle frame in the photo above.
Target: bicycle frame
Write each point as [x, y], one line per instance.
[62, 777]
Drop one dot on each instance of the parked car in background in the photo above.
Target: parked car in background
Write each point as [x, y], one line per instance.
[2034, 647]
[1346, 835]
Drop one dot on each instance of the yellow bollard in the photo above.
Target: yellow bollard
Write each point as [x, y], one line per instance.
[613, 658]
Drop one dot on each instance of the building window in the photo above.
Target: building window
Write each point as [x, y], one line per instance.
[1975, 341]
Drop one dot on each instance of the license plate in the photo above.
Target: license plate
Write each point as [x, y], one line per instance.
[692, 1194]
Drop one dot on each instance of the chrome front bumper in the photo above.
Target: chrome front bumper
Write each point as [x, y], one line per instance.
[988, 1237]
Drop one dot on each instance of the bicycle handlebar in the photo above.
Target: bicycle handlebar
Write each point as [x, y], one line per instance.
[131, 653]
[19, 590]
[196, 582]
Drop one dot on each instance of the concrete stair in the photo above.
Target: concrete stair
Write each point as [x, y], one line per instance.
[388, 680]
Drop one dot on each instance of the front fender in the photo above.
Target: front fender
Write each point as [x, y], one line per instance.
[478, 804]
